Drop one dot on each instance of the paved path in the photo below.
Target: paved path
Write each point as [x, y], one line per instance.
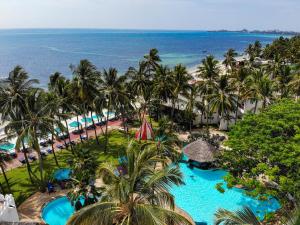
[14, 163]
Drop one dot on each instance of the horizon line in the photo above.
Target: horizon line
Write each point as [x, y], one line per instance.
[150, 29]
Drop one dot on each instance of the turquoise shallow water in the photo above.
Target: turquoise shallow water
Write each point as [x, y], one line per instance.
[45, 51]
[200, 199]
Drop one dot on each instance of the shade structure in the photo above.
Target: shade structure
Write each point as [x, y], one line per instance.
[145, 132]
[97, 117]
[62, 174]
[75, 124]
[7, 147]
[200, 151]
[87, 119]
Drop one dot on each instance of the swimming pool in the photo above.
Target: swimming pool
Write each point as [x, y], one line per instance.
[198, 197]
[201, 200]
[58, 211]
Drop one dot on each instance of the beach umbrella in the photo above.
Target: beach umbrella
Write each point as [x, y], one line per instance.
[87, 119]
[7, 147]
[75, 124]
[145, 132]
[62, 174]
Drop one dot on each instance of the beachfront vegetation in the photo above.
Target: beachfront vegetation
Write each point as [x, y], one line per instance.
[261, 145]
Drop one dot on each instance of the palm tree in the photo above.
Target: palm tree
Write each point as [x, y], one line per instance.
[191, 97]
[240, 217]
[151, 61]
[85, 82]
[229, 60]
[294, 84]
[238, 79]
[208, 72]
[282, 80]
[181, 79]
[163, 84]
[2, 166]
[246, 216]
[13, 93]
[209, 69]
[253, 92]
[139, 197]
[140, 84]
[257, 48]
[37, 122]
[60, 87]
[250, 51]
[223, 99]
[113, 88]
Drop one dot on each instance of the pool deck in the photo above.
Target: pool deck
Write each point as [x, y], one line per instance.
[30, 210]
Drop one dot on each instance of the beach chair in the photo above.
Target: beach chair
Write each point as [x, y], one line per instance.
[22, 160]
[50, 187]
[32, 157]
[60, 147]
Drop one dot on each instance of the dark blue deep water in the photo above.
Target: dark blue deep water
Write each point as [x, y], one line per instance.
[42, 52]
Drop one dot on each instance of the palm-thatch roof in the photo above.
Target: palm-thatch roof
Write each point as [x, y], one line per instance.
[200, 151]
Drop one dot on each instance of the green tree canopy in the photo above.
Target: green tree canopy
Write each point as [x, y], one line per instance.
[268, 144]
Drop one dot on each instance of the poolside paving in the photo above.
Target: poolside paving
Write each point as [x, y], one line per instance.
[30, 210]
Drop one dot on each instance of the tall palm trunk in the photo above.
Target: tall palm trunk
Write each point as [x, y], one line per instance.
[95, 130]
[53, 150]
[172, 113]
[2, 189]
[24, 150]
[79, 130]
[101, 126]
[41, 164]
[69, 135]
[64, 140]
[85, 124]
[4, 175]
[106, 125]
[255, 106]
[237, 106]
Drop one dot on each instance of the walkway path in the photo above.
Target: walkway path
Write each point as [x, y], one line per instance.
[30, 210]
[14, 163]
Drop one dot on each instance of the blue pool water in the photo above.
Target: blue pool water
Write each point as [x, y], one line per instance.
[198, 197]
[58, 211]
[201, 200]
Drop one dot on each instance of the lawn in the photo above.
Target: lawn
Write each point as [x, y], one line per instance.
[18, 177]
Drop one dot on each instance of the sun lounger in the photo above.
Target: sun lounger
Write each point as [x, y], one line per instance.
[50, 187]
[32, 157]
[22, 160]
[60, 146]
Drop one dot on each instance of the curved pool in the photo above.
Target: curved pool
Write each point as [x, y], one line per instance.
[198, 197]
[58, 211]
[201, 200]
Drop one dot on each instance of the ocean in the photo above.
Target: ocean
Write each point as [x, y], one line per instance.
[44, 51]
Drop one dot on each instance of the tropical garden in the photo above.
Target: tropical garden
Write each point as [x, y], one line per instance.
[262, 152]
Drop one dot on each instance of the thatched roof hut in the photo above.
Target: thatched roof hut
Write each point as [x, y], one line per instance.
[200, 151]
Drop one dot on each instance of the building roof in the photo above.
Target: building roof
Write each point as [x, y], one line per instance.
[200, 151]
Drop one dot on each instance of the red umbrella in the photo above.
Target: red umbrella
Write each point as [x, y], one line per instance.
[145, 132]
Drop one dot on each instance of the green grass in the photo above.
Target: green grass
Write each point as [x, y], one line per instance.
[18, 178]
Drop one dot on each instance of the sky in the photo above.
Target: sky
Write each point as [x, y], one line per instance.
[152, 14]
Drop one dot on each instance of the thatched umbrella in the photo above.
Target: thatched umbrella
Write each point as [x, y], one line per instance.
[200, 151]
